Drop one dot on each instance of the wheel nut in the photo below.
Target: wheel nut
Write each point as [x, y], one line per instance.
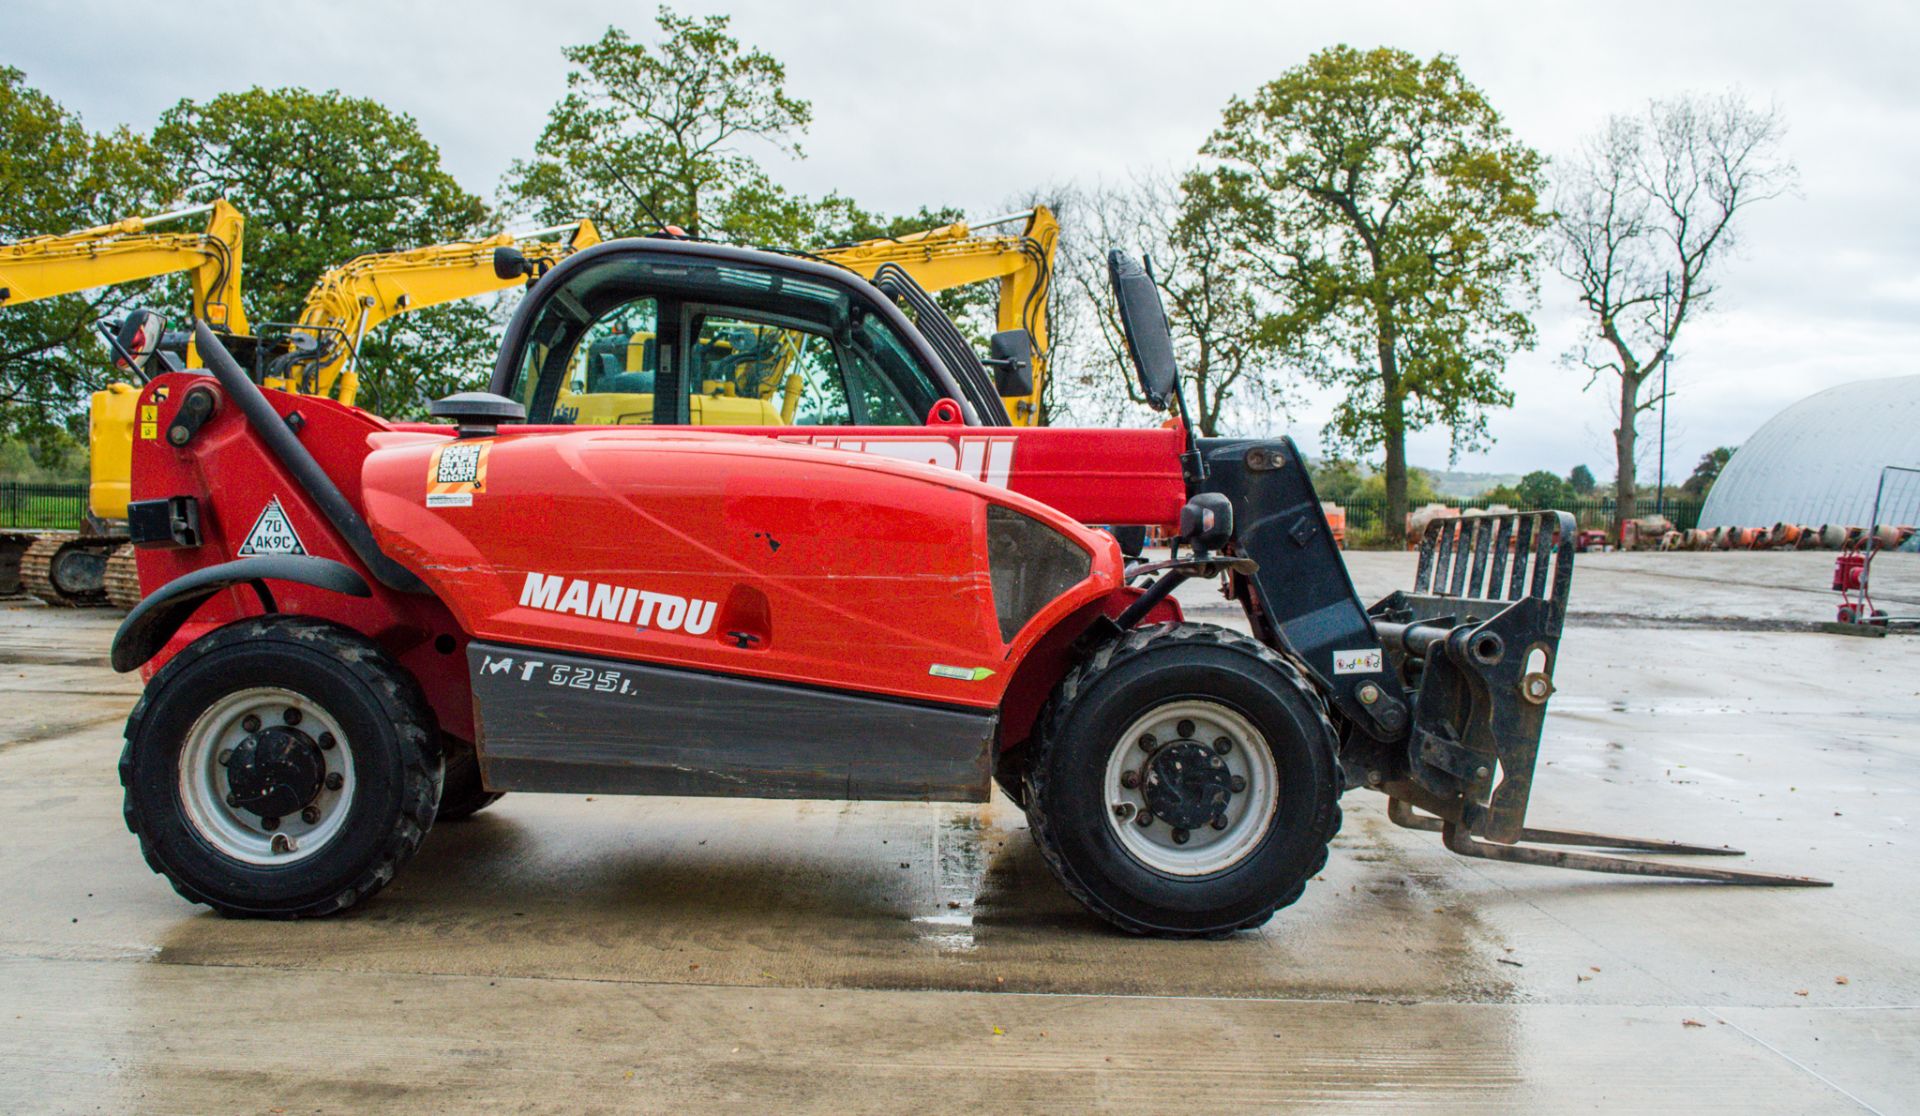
[1219, 821]
[1223, 745]
[326, 742]
[1238, 783]
[1180, 836]
[1147, 742]
[291, 716]
[270, 824]
[1185, 728]
[335, 780]
[310, 815]
[226, 756]
[250, 723]
[1369, 693]
[1129, 779]
[1123, 810]
[1144, 817]
[233, 799]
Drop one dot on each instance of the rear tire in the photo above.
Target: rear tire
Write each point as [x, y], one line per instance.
[280, 767]
[464, 794]
[1226, 750]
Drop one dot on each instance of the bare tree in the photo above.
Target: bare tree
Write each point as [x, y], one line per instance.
[1643, 215]
[1229, 358]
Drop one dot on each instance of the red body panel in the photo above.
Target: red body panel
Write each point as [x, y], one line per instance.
[796, 564]
[1093, 476]
[852, 571]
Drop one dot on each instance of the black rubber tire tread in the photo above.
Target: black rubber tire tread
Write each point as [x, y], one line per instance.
[401, 702]
[1117, 653]
[463, 794]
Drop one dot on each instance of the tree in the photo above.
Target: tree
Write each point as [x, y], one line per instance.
[652, 135]
[1581, 481]
[322, 178]
[57, 177]
[1645, 213]
[1543, 489]
[1712, 463]
[1229, 355]
[1383, 202]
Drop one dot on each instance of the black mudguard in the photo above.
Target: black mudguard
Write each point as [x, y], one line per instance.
[155, 620]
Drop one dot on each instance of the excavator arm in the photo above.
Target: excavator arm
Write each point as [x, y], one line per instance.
[350, 301]
[125, 252]
[956, 255]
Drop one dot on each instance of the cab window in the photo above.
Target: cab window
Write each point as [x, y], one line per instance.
[649, 339]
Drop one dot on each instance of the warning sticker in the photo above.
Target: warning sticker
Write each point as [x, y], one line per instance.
[455, 472]
[1357, 662]
[272, 533]
[149, 422]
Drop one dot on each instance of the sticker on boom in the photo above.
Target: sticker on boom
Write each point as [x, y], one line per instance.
[455, 472]
[1358, 662]
[272, 533]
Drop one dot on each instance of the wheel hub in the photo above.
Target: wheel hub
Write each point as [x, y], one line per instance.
[275, 772]
[1187, 785]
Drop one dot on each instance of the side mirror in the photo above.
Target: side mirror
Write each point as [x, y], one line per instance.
[136, 340]
[1010, 353]
[510, 263]
[1144, 319]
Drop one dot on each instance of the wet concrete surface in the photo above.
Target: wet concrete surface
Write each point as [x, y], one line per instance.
[606, 954]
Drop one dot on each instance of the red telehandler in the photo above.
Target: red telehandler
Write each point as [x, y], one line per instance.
[342, 612]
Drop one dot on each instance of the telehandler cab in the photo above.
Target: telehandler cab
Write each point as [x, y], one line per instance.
[344, 612]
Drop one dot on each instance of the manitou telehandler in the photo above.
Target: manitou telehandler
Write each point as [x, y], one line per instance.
[343, 609]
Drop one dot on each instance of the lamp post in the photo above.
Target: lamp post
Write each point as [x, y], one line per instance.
[1666, 358]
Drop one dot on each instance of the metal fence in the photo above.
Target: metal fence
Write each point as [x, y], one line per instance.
[1368, 529]
[45, 506]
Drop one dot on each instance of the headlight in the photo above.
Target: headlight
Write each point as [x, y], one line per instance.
[1031, 564]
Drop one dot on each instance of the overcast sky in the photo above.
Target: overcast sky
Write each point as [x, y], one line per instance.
[970, 104]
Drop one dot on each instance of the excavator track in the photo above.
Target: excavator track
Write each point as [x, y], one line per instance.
[68, 570]
[13, 547]
[123, 577]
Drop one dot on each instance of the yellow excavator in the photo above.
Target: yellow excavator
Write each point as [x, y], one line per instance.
[124, 251]
[317, 356]
[766, 374]
[957, 255]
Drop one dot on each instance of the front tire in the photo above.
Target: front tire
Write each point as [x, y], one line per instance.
[1184, 782]
[280, 767]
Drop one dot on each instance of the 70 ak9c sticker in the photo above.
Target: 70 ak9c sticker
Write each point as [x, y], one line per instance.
[456, 472]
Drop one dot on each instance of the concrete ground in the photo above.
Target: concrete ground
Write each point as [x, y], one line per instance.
[596, 954]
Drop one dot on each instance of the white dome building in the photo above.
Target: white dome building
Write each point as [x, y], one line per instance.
[1819, 461]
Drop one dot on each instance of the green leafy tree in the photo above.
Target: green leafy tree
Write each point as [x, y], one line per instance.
[1543, 489]
[1383, 202]
[57, 177]
[1712, 463]
[658, 134]
[1581, 481]
[323, 177]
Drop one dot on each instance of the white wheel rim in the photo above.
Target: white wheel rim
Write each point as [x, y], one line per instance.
[236, 832]
[1248, 813]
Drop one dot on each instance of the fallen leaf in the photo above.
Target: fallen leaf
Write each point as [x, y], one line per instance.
[1578, 977]
[1691, 1023]
[1510, 961]
[1840, 980]
[1800, 992]
[998, 1031]
[1593, 968]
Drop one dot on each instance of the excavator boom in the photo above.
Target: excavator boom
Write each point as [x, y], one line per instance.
[125, 252]
[956, 255]
[350, 301]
